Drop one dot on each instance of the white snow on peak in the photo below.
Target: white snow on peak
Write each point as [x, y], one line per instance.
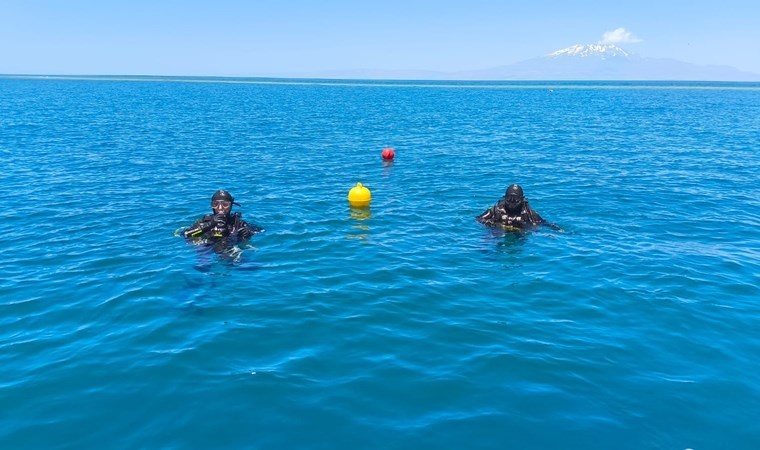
[598, 50]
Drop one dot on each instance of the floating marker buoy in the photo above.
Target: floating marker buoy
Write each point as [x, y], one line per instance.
[359, 196]
[388, 154]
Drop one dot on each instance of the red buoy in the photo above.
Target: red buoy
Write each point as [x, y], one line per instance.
[388, 154]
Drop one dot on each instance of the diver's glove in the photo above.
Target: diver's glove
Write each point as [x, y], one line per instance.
[219, 220]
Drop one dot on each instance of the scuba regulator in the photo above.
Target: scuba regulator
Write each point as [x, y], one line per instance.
[220, 229]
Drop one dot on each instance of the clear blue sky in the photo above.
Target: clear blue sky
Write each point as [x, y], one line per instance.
[276, 37]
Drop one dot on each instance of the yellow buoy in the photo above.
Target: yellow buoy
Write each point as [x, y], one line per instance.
[359, 196]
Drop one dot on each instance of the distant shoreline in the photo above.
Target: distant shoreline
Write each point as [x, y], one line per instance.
[493, 84]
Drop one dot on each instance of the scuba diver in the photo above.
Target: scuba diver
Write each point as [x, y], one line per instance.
[221, 229]
[513, 212]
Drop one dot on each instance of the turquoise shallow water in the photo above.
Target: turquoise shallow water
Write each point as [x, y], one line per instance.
[405, 326]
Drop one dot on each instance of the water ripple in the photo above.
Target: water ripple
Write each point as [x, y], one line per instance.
[405, 324]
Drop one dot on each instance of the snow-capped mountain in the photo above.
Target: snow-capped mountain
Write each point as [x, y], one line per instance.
[591, 50]
[577, 62]
[606, 62]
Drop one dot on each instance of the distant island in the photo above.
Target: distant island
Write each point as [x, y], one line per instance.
[592, 62]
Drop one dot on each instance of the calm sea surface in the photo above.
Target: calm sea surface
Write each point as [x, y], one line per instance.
[407, 325]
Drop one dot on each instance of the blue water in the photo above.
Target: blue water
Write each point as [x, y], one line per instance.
[407, 325]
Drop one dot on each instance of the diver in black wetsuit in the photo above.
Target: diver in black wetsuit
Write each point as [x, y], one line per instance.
[221, 227]
[513, 212]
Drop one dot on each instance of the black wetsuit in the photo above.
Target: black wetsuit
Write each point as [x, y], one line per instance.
[499, 214]
[213, 228]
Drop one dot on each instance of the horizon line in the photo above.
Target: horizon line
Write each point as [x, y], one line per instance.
[306, 80]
